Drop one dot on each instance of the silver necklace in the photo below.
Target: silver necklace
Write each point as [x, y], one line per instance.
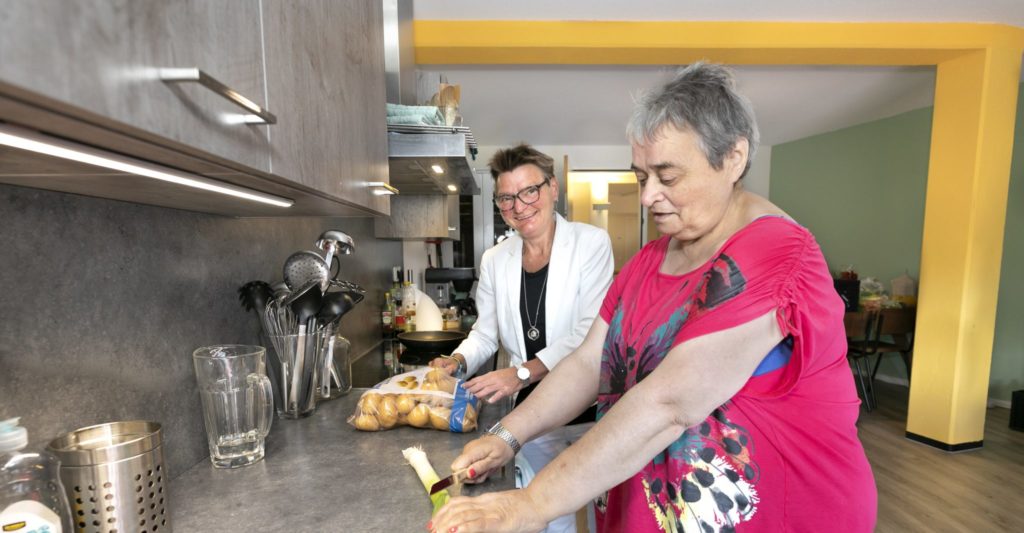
[533, 333]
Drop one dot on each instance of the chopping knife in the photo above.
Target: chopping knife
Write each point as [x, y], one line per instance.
[455, 479]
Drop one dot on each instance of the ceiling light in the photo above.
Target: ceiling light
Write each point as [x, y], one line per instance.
[33, 141]
[437, 169]
[452, 188]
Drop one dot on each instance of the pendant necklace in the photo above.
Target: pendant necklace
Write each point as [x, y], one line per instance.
[533, 333]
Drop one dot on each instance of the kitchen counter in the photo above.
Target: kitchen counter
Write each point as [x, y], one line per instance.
[321, 474]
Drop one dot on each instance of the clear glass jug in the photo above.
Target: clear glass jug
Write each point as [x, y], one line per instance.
[238, 402]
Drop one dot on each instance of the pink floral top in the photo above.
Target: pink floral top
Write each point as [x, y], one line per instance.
[783, 453]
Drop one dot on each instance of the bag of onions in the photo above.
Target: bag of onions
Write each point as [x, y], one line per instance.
[423, 398]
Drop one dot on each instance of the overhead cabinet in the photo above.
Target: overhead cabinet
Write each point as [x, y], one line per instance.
[418, 217]
[113, 74]
[327, 60]
[108, 57]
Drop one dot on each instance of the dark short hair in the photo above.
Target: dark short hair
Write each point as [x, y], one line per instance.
[701, 98]
[509, 159]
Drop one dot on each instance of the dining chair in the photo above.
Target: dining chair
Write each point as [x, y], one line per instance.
[897, 324]
[861, 341]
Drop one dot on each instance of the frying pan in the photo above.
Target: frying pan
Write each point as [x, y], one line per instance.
[439, 342]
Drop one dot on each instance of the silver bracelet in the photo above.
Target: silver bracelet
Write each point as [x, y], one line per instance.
[499, 431]
[460, 370]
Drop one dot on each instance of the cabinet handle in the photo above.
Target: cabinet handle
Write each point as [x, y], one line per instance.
[381, 188]
[175, 75]
[452, 228]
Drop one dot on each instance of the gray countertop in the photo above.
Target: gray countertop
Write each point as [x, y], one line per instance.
[321, 474]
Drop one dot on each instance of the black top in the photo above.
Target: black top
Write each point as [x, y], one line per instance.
[535, 296]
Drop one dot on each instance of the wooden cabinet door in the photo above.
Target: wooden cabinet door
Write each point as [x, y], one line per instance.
[105, 57]
[325, 80]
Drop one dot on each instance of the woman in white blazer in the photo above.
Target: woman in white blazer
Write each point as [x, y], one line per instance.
[537, 295]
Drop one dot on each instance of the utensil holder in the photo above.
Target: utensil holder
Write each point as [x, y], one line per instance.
[114, 477]
[300, 364]
[341, 368]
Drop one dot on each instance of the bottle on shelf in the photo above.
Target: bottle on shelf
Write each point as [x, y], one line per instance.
[409, 304]
[396, 282]
[32, 497]
[387, 314]
[451, 319]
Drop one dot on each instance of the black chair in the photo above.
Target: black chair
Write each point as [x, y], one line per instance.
[897, 324]
[861, 343]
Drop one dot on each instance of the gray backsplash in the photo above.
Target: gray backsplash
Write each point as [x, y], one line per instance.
[104, 302]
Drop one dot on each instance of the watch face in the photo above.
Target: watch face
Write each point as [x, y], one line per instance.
[523, 373]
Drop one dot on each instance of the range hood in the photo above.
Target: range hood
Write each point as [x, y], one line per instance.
[431, 160]
[422, 159]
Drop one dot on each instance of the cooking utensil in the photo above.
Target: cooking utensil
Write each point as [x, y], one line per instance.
[335, 304]
[305, 303]
[115, 474]
[334, 242]
[254, 296]
[343, 285]
[455, 479]
[303, 267]
[440, 342]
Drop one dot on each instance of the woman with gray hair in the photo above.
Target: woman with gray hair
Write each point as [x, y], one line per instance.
[725, 402]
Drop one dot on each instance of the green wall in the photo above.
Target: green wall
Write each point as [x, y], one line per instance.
[861, 192]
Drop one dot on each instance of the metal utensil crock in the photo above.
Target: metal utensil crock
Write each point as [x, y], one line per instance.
[114, 476]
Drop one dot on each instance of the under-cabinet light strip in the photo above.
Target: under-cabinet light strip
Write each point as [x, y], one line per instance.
[25, 139]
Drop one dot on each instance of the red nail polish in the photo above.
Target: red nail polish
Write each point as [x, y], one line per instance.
[472, 473]
[453, 529]
[430, 523]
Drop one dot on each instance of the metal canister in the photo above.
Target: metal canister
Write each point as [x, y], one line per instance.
[115, 477]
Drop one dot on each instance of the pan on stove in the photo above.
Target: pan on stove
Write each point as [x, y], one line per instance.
[435, 342]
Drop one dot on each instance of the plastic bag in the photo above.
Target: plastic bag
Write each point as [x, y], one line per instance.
[872, 293]
[423, 398]
[904, 290]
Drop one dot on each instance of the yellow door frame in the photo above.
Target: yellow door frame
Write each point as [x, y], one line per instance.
[977, 78]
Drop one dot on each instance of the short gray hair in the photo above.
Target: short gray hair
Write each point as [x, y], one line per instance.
[701, 97]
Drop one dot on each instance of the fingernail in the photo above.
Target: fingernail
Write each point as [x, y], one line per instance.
[430, 523]
[453, 529]
[472, 473]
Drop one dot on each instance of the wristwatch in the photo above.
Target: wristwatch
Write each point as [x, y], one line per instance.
[523, 373]
[499, 431]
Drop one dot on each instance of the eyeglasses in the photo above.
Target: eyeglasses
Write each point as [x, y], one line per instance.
[528, 196]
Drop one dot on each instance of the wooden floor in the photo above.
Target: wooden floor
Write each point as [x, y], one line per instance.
[923, 489]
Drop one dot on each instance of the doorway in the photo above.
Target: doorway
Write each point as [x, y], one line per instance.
[610, 200]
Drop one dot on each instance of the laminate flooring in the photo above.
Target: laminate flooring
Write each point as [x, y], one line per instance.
[924, 489]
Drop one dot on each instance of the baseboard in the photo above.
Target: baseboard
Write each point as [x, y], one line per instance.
[992, 402]
[1005, 404]
[962, 447]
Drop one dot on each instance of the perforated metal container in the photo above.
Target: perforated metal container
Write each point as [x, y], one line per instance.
[114, 476]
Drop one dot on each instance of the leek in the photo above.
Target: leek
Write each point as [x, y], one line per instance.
[418, 460]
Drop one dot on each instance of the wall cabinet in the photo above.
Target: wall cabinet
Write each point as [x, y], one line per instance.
[90, 71]
[417, 217]
[325, 61]
[106, 56]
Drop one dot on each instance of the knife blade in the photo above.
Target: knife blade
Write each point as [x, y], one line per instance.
[454, 479]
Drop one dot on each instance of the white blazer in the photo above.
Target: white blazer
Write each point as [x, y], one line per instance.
[579, 274]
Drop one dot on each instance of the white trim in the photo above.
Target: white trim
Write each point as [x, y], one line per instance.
[992, 402]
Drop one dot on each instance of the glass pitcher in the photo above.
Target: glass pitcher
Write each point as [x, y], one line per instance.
[238, 402]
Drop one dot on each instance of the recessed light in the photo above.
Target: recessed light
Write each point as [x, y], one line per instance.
[437, 169]
[452, 187]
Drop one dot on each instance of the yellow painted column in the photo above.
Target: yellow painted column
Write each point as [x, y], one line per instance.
[965, 213]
